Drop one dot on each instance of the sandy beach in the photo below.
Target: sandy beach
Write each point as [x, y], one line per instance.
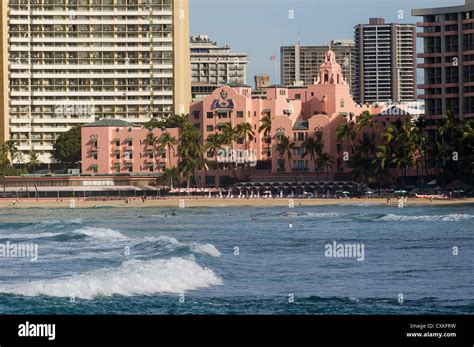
[206, 202]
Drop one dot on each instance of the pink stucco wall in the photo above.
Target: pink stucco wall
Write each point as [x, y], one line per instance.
[102, 141]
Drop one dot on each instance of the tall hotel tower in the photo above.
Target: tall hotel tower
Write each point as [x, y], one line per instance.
[448, 60]
[70, 62]
[385, 62]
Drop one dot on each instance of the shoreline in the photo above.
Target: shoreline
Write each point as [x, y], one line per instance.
[216, 202]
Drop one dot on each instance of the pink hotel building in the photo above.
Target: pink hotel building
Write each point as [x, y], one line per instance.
[297, 112]
[111, 146]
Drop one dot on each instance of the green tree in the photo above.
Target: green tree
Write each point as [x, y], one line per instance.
[168, 177]
[229, 135]
[214, 143]
[244, 131]
[325, 160]
[67, 148]
[191, 152]
[166, 141]
[286, 147]
[33, 161]
[314, 147]
[266, 128]
[346, 131]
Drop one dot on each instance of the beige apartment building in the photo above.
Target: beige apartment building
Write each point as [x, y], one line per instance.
[70, 62]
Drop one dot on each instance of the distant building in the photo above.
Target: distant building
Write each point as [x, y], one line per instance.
[448, 38]
[300, 64]
[385, 62]
[213, 65]
[112, 146]
[262, 82]
[68, 63]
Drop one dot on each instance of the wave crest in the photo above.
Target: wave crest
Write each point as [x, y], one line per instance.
[435, 218]
[133, 277]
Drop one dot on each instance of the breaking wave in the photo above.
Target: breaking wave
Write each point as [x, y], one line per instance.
[133, 277]
[438, 218]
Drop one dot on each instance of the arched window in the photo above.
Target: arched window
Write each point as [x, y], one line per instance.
[326, 77]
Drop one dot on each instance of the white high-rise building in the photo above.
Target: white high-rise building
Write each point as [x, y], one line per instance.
[385, 62]
[213, 65]
[71, 62]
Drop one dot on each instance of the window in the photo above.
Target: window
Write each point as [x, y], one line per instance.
[117, 156]
[94, 155]
[117, 142]
[196, 114]
[210, 115]
[209, 128]
[130, 169]
[240, 114]
[298, 96]
[129, 143]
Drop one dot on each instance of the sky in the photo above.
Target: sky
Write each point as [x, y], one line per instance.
[260, 27]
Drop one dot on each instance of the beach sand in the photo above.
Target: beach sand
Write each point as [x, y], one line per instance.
[206, 202]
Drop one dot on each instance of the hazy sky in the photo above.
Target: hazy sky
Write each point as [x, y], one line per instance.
[260, 27]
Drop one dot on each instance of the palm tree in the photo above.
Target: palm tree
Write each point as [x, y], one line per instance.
[266, 127]
[34, 161]
[11, 150]
[152, 140]
[366, 120]
[167, 141]
[314, 147]
[346, 131]
[169, 176]
[325, 160]
[381, 161]
[285, 147]
[214, 144]
[366, 146]
[244, 131]
[190, 151]
[229, 135]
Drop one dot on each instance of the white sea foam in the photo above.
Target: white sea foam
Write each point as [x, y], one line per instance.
[434, 218]
[27, 236]
[324, 215]
[100, 233]
[171, 243]
[208, 249]
[134, 277]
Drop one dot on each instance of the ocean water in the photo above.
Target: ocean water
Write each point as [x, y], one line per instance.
[239, 260]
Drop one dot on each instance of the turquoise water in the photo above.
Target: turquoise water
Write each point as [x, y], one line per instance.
[230, 260]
